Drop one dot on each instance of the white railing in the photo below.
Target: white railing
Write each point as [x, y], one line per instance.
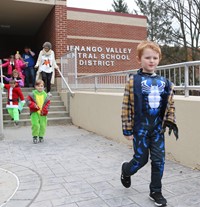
[185, 76]
[66, 85]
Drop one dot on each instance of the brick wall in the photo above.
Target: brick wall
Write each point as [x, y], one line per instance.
[115, 35]
[94, 29]
[60, 30]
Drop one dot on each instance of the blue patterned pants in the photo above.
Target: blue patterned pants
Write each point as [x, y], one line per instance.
[147, 141]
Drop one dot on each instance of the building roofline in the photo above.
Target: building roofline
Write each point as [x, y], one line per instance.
[106, 12]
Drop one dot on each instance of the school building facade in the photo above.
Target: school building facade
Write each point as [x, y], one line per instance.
[104, 41]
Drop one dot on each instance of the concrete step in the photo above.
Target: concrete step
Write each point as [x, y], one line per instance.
[51, 114]
[25, 89]
[52, 98]
[51, 121]
[58, 113]
[28, 90]
[52, 108]
[53, 103]
[54, 93]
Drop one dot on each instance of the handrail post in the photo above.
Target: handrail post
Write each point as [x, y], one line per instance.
[95, 83]
[75, 62]
[61, 68]
[186, 81]
[1, 105]
[127, 77]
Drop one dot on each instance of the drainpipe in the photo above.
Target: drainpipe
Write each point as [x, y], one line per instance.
[1, 109]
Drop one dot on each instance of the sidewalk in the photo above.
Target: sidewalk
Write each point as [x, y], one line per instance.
[77, 168]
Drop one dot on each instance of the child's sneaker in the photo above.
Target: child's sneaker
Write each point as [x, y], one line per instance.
[158, 198]
[16, 123]
[125, 180]
[35, 140]
[41, 139]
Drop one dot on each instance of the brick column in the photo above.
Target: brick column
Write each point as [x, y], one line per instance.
[60, 31]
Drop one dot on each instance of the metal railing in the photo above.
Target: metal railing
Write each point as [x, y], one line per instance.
[68, 71]
[185, 76]
[65, 82]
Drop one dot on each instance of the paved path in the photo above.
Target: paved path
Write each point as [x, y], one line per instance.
[76, 168]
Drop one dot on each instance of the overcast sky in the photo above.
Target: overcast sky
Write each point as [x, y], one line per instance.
[103, 5]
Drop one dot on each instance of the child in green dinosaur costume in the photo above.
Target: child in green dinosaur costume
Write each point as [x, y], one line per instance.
[38, 103]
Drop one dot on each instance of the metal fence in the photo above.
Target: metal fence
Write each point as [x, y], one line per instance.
[185, 76]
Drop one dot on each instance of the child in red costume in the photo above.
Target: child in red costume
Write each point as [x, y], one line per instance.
[14, 94]
[38, 103]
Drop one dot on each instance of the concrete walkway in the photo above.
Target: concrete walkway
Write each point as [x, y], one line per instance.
[76, 168]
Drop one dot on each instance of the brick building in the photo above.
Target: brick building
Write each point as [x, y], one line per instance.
[104, 41]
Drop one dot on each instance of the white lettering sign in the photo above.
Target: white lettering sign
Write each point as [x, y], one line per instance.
[100, 56]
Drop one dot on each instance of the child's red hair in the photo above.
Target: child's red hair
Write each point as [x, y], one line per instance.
[148, 44]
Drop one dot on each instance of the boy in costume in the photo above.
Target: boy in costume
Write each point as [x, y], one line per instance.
[14, 95]
[147, 109]
[38, 103]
